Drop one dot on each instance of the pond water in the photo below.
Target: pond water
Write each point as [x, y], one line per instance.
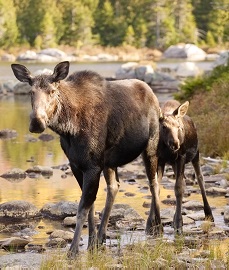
[23, 154]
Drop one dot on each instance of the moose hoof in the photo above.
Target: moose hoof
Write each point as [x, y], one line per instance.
[155, 230]
[72, 254]
[209, 218]
[178, 231]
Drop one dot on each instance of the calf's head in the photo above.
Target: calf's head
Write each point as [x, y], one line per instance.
[44, 93]
[172, 128]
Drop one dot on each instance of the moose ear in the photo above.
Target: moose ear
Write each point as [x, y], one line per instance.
[22, 73]
[161, 116]
[181, 110]
[60, 71]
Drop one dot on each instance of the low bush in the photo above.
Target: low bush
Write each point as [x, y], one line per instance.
[209, 102]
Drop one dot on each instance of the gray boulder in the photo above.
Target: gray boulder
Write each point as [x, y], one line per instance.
[125, 217]
[55, 53]
[43, 170]
[18, 210]
[14, 174]
[226, 214]
[8, 134]
[60, 210]
[22, 88]
[14, 242]
[8, 57]
[187, 69]
[61, 234]
[27, 56]
[188, 51]
[222, 60]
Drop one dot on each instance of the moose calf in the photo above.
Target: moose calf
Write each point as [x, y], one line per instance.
[102, 125]
[178, 145]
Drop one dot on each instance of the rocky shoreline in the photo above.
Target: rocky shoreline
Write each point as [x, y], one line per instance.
[21, 218]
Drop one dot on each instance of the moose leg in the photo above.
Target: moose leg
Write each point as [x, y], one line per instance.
[89, 191]
[199, 175]
[112, 181]
[91, 221]
[179, 192]
[153, 224]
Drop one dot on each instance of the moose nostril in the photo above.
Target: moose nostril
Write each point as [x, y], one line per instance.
[174, 145]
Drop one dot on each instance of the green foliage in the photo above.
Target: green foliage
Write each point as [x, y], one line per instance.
[209, 98]
[8, 26]
[210, 39]
[139, 23]
[203, 83]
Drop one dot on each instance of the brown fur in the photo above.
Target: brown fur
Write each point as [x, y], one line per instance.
[102, 125]
[178, 145]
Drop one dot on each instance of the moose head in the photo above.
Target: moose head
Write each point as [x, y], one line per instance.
[172, 127]
[44, 94]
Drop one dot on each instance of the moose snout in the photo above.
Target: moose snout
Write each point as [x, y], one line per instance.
[174, 145]
[37, 122]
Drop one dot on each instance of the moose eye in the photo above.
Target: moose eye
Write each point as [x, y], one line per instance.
[51, 91]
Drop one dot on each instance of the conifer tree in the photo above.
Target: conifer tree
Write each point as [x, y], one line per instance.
[8, 26]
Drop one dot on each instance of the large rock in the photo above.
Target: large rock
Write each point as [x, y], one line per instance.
[14, 242]
[14, 174]
[226, 214]
[193, 205]
[8, 134]
[56, 53]
[61, 234]
[125, 217]
[60, 210]
[188, 51]
[222, 60]
[126, 71]
[157, 80]
[18, 210]
[187, 69]
[46, 55]
[142, 70]
[27, 56]
[43, 170]
[22, 88]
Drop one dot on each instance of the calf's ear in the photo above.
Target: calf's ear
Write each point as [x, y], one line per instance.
[161, 116]
[60, 71]
[22, 73]
[181, 110]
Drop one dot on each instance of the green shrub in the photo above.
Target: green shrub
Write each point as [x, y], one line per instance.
[204, 83]
[209, 99]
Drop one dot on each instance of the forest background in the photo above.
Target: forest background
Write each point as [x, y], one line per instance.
[139, 23]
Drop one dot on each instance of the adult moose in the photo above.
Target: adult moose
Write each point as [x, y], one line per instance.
[102, 125]
[178, 145]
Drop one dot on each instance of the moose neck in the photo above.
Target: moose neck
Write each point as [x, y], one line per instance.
[73, 113]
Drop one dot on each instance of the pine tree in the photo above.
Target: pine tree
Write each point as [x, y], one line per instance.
[219, 20]
[45, 23]
[77, 21]
[8, 26]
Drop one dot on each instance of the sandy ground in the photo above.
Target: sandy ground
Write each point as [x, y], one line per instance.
[19, 261]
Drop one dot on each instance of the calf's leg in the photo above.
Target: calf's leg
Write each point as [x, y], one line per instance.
[112, 181]
[179, 192]
[199, 175]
